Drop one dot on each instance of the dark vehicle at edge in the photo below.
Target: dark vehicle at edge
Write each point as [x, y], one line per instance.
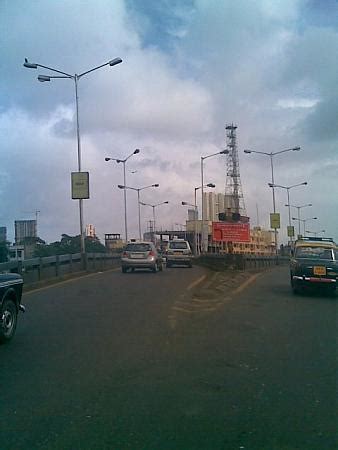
[314, 263]
[10, 304]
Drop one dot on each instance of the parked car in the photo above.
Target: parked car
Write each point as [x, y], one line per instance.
[314, 262]
[10, 304]
[179, 253]
[141, 255]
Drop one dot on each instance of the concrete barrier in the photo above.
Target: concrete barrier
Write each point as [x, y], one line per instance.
[217, 262]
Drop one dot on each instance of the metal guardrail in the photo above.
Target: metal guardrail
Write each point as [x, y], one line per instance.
[37, 269]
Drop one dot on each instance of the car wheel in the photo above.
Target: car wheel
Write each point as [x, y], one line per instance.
[9, 318]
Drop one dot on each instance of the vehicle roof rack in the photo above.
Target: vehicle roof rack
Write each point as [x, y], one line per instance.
[316, 239]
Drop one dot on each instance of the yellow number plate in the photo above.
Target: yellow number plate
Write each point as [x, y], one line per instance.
[319, 270]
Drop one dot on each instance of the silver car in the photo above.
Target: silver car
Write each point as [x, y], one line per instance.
[179, 252]
[141, 255]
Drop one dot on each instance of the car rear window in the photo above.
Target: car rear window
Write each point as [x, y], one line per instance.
[314, 253]
[138, 248]
[178, 245]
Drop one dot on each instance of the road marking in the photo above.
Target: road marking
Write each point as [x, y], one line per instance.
[196, 282]
[246, 283]
[60, 283]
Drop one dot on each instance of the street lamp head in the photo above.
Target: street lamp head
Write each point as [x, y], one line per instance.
[155, 185]
[271, 185]
[107, 159]
[211, 185]
[247, 151]
[43, 78]
[296, 149]
[166, 201]
[305, 183]
[184, 203]
[118, 160]
[136, 151]
[115, 61]
[224, 152]
[29, 65]
[120, 186]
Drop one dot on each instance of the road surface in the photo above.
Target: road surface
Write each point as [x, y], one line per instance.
[151, 361]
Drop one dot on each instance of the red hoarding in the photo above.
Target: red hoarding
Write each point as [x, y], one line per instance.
[230, 232]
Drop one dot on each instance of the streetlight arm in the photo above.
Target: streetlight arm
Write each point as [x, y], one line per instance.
[35, 66]
[109, 63]
[287, 150]
[214, 154]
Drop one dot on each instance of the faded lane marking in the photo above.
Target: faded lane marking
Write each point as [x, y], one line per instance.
[60, 283]
[246, 283]
[196, 282]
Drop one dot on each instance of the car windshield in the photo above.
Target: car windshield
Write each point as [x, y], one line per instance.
[178, 245]
[138, 248]
[314, 253]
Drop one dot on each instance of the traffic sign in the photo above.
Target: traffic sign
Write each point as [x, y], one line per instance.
[275, 220]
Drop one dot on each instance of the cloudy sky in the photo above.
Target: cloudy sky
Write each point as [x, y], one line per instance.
[189, 68]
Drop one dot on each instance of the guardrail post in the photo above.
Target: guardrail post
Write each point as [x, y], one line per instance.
[57, 263]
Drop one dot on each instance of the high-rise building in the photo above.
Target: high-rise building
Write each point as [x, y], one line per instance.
[90, 231]
[3, 234]
[24, 229]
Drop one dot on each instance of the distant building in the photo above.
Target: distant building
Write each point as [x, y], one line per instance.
[24, 229]
[3, 234]
[16, 253]
[90, 231]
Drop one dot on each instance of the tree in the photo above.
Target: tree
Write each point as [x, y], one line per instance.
[4, 251]
[70, 245]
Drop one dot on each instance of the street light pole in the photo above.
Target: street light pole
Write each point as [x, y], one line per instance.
[75, 78]
[123, 161]
[287, 188]
[271, 155]
[298, 213]
[205, 239]
[304, 221]
[120, 186]
[154, 217]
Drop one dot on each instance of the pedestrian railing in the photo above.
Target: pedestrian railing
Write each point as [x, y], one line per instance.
[38, 269]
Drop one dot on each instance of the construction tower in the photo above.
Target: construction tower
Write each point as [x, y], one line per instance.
[234, 200]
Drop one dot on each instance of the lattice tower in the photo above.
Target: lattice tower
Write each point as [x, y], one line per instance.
[233, 187]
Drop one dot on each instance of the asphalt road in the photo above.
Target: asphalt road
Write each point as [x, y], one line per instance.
[141, 361]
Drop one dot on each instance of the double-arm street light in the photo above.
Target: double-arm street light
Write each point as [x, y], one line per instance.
[205, 235]
[298, 210]
[154, 216]
[138, 190]
[288, 191]
[271, 156]
[304, 221]
[75, 78]
[123, 161]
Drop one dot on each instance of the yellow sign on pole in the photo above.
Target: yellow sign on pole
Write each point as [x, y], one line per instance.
[275, 220]
[80, 185]
[291, 231]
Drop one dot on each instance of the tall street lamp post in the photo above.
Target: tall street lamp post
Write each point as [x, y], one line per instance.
[304, 221]
[75, 78]
[298, 210]
[138, 190]
[123, 161]
[211, 185]
[271, 156]
[205, 235]
[154, 217]
[288, 191]
[195, 227]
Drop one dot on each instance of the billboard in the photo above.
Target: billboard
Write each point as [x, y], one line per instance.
[230, 232]
[80, 185]
[275, 220]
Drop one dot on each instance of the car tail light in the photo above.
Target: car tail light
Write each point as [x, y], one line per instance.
[151, 253]
[125, 254]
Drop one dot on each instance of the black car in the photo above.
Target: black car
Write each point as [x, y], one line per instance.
[10, 304]
[314, 263]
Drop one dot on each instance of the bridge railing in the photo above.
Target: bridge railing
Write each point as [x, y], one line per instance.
[37, 269]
